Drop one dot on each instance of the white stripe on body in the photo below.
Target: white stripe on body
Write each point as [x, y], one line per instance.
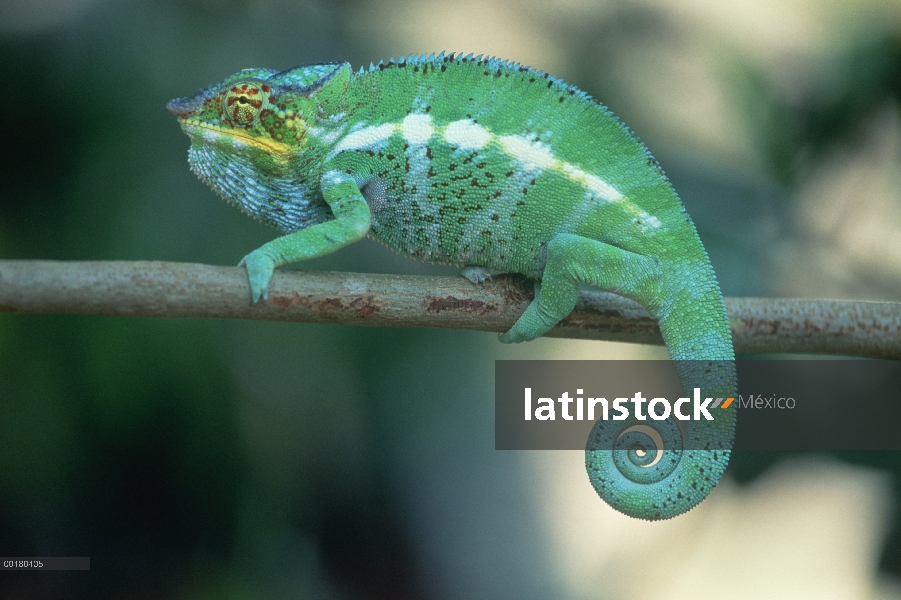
[418, 128]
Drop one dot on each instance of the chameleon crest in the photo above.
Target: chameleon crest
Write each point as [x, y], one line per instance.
[495, 167]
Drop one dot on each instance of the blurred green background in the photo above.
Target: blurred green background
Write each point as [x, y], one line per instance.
[214, 459]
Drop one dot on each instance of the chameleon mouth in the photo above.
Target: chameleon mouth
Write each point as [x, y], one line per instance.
[196, 127]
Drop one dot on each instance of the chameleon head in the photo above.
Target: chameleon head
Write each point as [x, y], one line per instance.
[255, 113]
[247, 131]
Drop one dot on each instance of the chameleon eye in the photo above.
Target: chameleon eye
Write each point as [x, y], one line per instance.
[242, 103]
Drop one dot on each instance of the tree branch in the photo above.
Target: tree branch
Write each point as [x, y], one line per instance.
[159, 289]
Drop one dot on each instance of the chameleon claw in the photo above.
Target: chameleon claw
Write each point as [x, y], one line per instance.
[509, 338]
[476, 274]
[259, 272]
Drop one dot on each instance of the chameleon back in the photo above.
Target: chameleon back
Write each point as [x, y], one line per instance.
[460, 180]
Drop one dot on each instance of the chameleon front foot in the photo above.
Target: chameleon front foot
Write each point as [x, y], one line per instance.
[259, 271]
[476, 274]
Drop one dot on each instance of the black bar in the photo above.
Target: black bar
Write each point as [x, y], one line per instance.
[45, 563]
[787, 405]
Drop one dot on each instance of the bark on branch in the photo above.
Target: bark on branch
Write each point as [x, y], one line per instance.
[159, 289]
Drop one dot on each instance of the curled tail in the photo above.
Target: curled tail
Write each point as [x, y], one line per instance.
[646, 469]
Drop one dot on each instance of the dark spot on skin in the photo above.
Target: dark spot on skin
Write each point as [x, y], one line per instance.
[525, 190]
[561, 99]
[549, 84]
[389, 156]
[443, 68]
[494, 217]
[428, 108]
[498, 74]
[416, 69]
[486, 73]
[509, 173]
[451, 167]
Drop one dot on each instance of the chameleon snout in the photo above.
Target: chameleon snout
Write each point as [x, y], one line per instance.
[182, 107]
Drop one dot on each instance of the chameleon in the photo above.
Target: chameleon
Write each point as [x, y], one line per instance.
[498, 168]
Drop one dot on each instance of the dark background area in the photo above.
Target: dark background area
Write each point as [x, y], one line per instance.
[213, 459]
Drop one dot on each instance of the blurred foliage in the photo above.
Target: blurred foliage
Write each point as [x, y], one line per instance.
[252, 460]
[795, 131]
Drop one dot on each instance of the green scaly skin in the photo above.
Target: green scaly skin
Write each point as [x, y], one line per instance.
[498, 168]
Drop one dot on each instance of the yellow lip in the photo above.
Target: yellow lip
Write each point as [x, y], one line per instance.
[268, 145]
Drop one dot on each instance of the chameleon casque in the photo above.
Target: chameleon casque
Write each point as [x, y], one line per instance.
[496, 167]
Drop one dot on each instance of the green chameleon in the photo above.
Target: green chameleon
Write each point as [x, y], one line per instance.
[496, 167]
